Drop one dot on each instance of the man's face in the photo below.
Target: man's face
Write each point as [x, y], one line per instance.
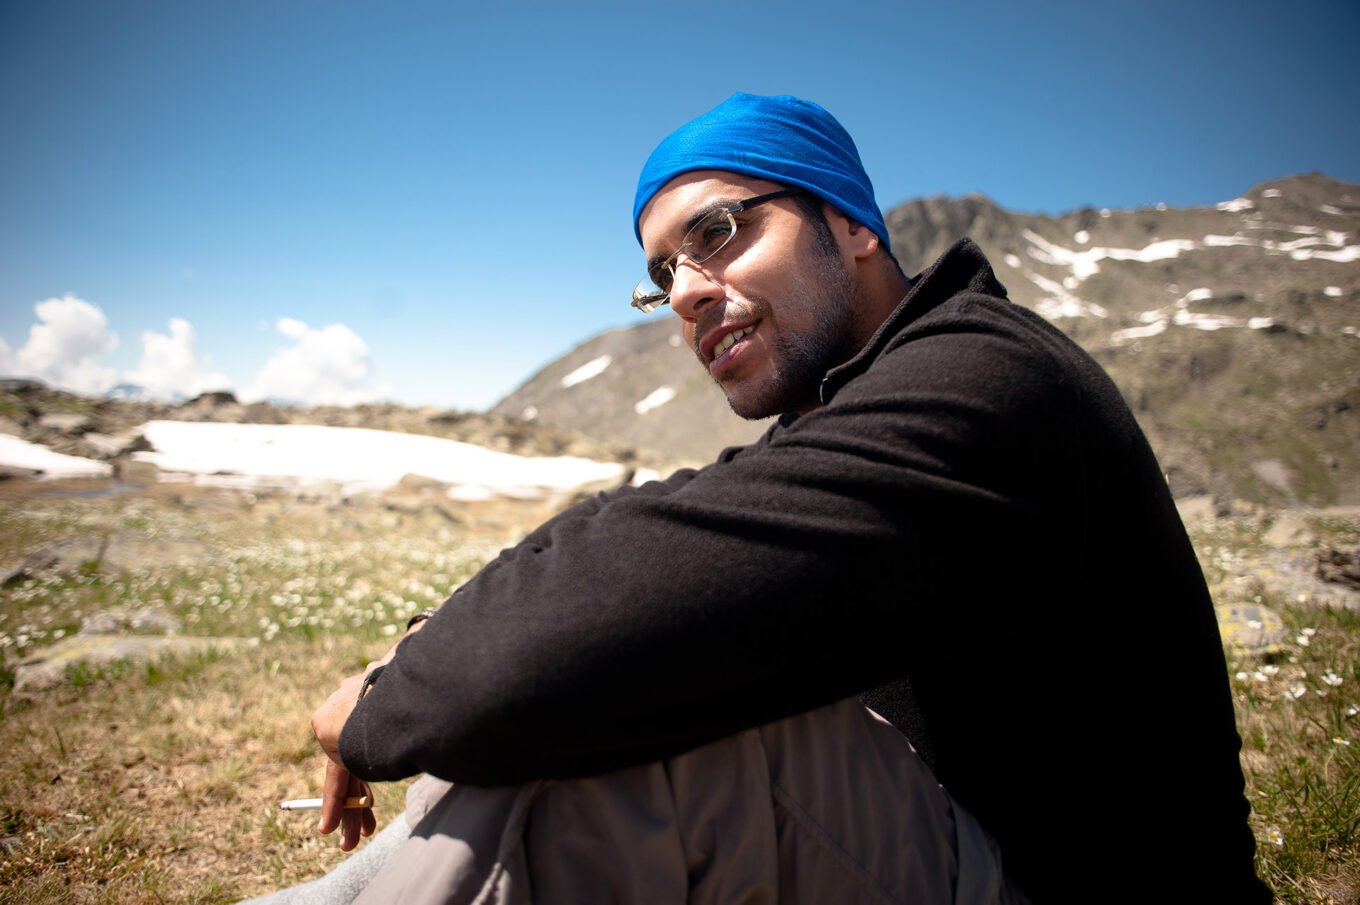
[770, 313]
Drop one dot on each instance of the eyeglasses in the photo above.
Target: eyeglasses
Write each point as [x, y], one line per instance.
[704, 240]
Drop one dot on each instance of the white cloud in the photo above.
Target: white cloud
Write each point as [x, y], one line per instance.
[171, 365]
[326, 366]
[66, 347]
[291, 327]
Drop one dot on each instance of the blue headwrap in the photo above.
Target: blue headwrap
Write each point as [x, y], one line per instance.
[782, 139]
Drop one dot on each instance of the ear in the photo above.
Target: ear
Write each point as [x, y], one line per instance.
[863, 240]
[858, 240]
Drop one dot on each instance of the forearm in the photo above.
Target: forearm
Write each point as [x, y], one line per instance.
[815, 567]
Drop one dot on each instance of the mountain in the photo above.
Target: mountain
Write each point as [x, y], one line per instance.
[1231, 330]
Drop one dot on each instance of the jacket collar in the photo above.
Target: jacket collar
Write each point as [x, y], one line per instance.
[963, 268]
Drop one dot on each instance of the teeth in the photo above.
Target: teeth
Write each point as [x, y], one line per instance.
[728, 340]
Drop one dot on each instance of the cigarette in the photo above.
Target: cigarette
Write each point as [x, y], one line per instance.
[312, 804]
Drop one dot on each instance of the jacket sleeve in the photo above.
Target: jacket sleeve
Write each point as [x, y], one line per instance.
[806, 568]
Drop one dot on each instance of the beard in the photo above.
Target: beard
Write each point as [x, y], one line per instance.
[802, 358]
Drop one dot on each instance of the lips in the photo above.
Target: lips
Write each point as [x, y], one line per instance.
[726, 342]
[719, 341]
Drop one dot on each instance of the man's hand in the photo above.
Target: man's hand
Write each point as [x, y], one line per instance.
[328, 721]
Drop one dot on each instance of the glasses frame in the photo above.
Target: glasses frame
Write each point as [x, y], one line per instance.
[647, 296]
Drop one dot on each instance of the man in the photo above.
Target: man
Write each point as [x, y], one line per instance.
[956, 518]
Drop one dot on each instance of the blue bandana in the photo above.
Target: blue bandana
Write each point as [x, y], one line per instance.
[782, 139]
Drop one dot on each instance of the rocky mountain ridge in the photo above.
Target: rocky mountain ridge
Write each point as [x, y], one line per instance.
[1231, 330]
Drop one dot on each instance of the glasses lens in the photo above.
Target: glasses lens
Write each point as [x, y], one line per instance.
[647, 298]
[704, 240]
[709, 235]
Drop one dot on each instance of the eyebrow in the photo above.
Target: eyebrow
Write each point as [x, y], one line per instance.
[713, 206]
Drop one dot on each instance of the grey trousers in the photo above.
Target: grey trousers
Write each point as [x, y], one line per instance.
[829, 806]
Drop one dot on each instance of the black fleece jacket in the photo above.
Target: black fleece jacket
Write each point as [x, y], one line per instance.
[971, 532]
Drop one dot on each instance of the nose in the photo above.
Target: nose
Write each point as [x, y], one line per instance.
[692, 288]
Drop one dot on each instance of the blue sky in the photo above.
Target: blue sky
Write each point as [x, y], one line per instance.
[417, 201]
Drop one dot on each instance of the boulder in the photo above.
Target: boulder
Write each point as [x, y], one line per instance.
[1250, 628]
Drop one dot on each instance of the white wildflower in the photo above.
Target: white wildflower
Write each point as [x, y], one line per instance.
[1270, 669]
[389, 630]
[1303, 640]
[1341, 741]
[1332, 678]
[1310, 632]
[1241, 677]
[1297, 691]
[1274, 836]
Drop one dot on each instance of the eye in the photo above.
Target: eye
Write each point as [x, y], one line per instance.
[661, 276]
[710, 235]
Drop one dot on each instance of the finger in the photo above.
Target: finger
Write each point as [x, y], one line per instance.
[369, 821]
[333, 790]
[352, 821]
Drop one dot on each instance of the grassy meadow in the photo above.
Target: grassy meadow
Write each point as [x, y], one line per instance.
[160, 781]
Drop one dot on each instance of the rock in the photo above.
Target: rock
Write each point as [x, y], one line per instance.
[132, 552]
[108, 446]
[1250, 628]
[1288, 530]
[1197, 509]
[1275, 474]
[13, 428]
[67, 557]
[48, 668]
[419, 483]
[421, 507]
[131, 471]
[1340, 565]
[67, 422]
[144, 621]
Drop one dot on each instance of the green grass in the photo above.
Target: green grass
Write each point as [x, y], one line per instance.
[1299, 718]
[159, 781]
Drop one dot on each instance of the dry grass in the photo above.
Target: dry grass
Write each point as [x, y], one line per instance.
[160, 782]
